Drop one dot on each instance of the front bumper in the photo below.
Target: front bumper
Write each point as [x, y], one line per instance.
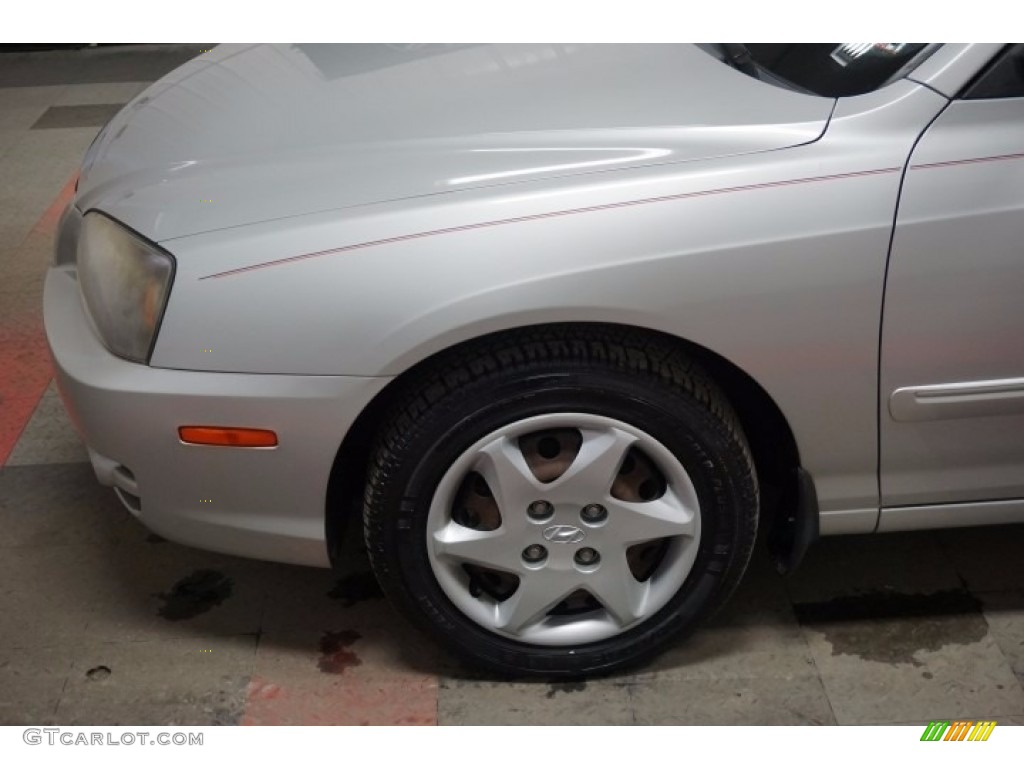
[256, 502]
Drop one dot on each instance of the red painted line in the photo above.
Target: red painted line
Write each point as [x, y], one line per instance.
[25, 373]
[360, 677]
[14, 415]
[25, 368]
[549, 215]
[47, 223]
[288, 702]
[967, 161]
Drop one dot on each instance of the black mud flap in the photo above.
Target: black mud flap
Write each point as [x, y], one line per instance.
[796, 525]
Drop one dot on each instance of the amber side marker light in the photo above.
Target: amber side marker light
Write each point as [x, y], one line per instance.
[233, 437]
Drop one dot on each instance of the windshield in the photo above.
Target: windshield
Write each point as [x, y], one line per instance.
[825, 69]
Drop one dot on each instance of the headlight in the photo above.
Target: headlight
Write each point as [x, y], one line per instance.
[125, 282]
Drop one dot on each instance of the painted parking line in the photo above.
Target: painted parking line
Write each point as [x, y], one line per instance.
[25, 367]
[47, 223]
[342, 702]
[370, 669]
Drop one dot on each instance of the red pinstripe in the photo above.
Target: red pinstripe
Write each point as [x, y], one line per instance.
[549, 215]
[967, 161]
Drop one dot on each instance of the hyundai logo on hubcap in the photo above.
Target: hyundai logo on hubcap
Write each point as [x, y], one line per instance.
[563, 534]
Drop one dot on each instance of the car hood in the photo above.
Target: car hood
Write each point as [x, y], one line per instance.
[246, 134]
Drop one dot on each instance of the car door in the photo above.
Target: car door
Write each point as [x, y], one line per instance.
[952, 344]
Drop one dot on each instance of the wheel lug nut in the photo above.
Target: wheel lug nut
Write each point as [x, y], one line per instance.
[587, 556]
[593, 513]
[534, 553]
[539, 510]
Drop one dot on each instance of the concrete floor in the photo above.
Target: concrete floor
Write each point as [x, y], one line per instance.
[102, 622]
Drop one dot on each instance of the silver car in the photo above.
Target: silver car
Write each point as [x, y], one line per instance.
[560, 329]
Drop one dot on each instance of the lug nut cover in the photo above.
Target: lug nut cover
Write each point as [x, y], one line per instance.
[540, 510]
[587, 556]
[594, 513]
[534, 553]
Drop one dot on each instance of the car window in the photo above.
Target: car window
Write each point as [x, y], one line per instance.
[825, 69]
[1002, 79]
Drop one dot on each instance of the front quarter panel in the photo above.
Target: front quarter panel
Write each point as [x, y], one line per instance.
[776, 263]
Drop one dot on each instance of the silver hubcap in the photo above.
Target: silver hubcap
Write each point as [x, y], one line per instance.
[563, 529]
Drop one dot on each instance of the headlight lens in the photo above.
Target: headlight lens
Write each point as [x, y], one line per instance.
[125, 282]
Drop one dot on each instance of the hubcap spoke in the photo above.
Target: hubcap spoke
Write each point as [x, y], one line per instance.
[535, 596]
[509, 477]
[490, 549]
[592, 472]
[637, 522]
[618, 591]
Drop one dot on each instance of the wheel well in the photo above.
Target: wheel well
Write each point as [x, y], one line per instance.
[771, 440]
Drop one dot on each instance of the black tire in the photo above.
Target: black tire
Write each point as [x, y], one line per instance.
[634, 377]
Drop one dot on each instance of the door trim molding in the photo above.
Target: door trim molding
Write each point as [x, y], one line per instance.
[995, 397]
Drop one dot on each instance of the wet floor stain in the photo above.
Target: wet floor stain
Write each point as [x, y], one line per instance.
[569, 686]
[891, 628]
[98, 673]
[335, 656]
[195, 594]
[355, 588]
